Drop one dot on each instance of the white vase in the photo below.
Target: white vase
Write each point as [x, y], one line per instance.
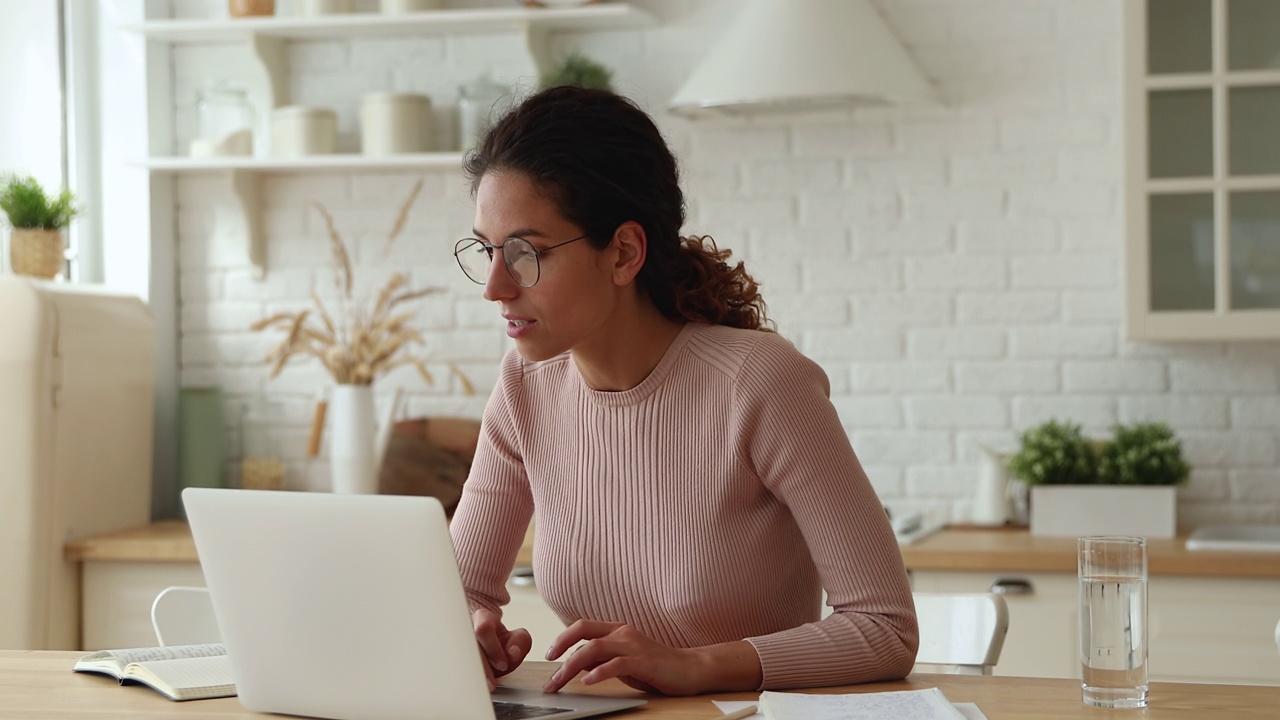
[351, 435]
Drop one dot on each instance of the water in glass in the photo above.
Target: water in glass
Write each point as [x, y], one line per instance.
[1113, 641]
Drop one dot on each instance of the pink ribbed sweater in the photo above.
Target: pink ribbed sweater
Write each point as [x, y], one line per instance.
[712, 502]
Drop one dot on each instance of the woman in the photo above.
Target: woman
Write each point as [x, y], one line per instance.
[693, 489]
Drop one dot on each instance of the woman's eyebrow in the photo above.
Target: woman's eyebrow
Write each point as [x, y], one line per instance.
[525, 233]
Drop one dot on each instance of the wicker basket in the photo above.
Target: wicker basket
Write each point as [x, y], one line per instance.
[36, 252]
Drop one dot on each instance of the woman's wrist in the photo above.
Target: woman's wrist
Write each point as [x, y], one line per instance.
[727, 667]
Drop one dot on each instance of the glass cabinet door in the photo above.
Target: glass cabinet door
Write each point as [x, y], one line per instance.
[1203, 87]
[1182, 267]
[1180, 133]
[1180, 37]
[1255, 250]
[1253, 42]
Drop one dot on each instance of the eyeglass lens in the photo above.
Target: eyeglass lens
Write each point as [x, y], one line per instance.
[519, 255]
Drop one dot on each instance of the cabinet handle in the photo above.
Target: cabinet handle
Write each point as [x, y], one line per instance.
[522, 576]
[1012, 586]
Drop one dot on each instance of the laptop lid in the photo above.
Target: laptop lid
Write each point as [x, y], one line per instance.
[346, 606]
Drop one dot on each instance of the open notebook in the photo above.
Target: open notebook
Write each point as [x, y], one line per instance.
[179, 672]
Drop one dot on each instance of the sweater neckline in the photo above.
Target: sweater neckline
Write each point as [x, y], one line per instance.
[655, 379]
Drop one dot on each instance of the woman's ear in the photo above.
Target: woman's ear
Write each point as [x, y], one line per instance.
[631, 245]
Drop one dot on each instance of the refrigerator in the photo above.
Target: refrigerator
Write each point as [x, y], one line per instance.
[76, 435]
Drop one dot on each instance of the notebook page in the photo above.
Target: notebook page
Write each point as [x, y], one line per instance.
[212, 672]
[172, 652]
[969, 710]
[928, 704]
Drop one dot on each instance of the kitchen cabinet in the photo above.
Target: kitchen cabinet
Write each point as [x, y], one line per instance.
[1202, 101]
[117, 597]
[1211, 615]
[1216, 631]
[1043, 629]
[266, 39]
[121, 574]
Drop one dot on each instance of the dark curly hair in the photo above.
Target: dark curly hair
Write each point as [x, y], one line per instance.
[603, 162]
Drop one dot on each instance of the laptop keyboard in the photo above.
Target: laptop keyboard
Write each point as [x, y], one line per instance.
[516, 711]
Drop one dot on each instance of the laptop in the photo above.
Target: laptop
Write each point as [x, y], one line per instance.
[351, 607]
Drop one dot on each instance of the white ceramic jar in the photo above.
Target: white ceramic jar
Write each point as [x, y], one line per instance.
[325, 7]
[394, 123]
[395, 7]
[480, 102]
[302, 130]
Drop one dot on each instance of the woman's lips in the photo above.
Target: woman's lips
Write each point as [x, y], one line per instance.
[518, 327]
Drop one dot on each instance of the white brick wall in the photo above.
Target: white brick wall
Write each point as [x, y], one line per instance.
[957, 271]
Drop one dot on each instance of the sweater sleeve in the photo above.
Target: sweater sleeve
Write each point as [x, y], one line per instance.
[489, 524]
[788, 432]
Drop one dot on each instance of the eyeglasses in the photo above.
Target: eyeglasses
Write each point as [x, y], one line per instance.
[521, 258]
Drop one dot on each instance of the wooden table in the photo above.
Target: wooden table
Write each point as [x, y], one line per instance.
[40, 684]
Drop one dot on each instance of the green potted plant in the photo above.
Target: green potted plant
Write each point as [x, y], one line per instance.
[37, 219]
[1054, 453]
[580, 70]
[1143, 454]
[1125, 485]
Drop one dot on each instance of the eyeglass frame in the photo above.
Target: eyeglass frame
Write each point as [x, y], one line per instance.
[458, 247]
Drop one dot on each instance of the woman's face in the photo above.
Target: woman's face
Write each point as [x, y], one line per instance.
[569, 306]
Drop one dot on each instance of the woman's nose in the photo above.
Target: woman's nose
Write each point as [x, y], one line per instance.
[499, 285]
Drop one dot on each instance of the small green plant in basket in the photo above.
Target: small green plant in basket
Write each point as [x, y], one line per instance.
[1054, 453]
[1143, 454]
[28, 206]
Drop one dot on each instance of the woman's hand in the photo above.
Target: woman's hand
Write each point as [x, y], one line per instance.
[502, 650]
[617, 650]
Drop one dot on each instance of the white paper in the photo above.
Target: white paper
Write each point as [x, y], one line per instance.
[970, 711]
[927, 704]
[728, 706]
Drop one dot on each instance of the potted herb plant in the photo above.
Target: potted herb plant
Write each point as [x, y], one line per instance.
[37, 219]
[1125, 485]
[578, 70]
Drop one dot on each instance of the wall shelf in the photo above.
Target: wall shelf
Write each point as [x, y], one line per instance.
[245, 176]
[309, 163]
[603, 16]
[266, 39]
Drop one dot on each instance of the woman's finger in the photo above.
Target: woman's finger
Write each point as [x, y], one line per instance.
[577, 632]
[517, 644]
[487, 628]
[591, 654]
[618, 667]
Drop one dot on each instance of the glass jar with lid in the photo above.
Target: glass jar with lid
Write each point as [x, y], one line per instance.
[224, 121]
[262, 462]
[478, 103]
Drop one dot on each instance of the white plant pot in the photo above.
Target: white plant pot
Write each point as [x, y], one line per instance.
[351, 440]
[1081, 510]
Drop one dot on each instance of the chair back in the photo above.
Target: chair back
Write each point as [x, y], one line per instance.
[964, 631]
[184, 616]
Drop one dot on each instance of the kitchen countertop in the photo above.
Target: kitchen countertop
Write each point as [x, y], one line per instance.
[952, 549]
[1015, 549]
[170, 541]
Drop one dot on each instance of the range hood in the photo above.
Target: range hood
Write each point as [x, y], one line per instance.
[803, 55]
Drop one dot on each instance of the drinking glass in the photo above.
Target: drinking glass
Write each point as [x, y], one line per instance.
[1113, 621]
